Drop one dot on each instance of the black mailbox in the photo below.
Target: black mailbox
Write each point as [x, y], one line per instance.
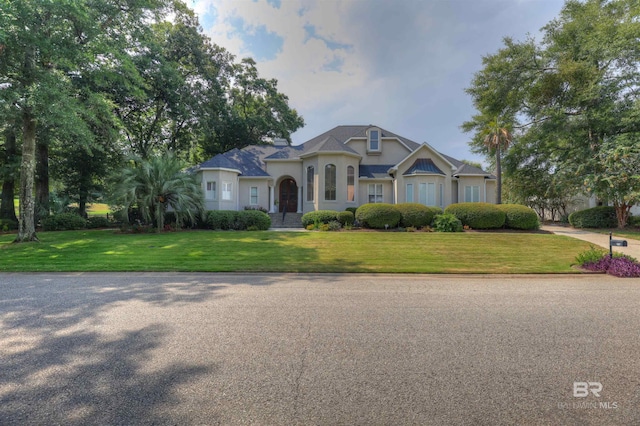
[616, 243]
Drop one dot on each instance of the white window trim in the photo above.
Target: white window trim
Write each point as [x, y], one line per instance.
[375, 192]
[369, 149]
[251, 203]
[211, 194]
[409, 196]
[227, 192]
[471, 193]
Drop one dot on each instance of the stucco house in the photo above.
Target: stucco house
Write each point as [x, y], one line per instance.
[346, 166]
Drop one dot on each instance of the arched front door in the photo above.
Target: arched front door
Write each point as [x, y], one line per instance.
[288, 196]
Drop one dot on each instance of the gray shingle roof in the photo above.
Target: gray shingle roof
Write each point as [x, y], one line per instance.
[344, 133]
[249, 161]
[464, 169]
[423, 165]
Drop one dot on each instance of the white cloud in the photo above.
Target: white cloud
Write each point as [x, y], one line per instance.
[402, 65]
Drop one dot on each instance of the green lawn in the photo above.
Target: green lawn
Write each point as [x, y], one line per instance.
[267, 251]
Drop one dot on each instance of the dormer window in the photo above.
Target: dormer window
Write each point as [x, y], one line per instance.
[374, 140]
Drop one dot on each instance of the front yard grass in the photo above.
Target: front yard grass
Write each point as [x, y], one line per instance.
[268, 251]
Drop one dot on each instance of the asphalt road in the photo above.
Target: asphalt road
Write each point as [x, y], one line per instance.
[206, 349]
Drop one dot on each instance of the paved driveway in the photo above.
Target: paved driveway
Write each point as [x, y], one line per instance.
[208, 349]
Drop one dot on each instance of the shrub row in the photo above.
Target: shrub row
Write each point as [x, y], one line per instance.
[595, 217]
[64, 222]
[494, 216]
[253, 220]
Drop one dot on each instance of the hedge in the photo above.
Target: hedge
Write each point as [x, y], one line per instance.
[320, 216]
[221, 219]
[447, 222]
[596, 217]
[478, 215]
[254, 220]
[64, 222]
[416, 215]
[519, 216]
[378, 215]
[346, 218]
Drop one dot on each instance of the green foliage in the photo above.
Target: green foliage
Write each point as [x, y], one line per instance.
[155, 184]
[352, 210]
[253, 219]
[346, 218]
[63, 222]
[334, 225]
[8, 225]
[378, 215]
[596, 217]
[478, 215]
[318, 217]
[221, 219]
[98, 222]
[634, 221]
[416, 215]
[592, 255]
[447, 222]
[519, 217]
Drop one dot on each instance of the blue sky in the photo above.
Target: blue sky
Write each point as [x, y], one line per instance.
[400, 64]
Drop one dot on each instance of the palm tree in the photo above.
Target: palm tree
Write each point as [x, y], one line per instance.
[157, 183]
[498, 137]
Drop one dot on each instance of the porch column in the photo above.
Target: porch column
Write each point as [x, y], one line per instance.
[272, 199]
[299, 200]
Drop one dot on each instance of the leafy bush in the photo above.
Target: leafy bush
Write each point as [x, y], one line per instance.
[98, 222]
[64, 222]
[596, 217]
[8, 225]
[447, 222]
[417, 215]
[346, 218]
[634, 221]
[594, 254]
[334, 225]
[221, 219]
[259, 208]
[254, 219]
[318, 216]
[378, 215]
[352, 210]
[478, 215]
[618, 266]
[519, 216]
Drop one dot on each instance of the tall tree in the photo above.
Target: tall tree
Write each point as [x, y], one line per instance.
[577, 88]
[44, 45]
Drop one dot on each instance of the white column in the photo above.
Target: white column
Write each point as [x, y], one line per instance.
[272, 199]
[299, 200]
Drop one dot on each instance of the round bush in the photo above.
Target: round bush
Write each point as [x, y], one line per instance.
[98, 222]
[346, 218]
[519, 216]
[252, 219]
[319, 216]
[378, 215]
[64, 222]
[596, 217]
[447, 223]
[221, 219]
[416, 215]
[478, 215]
[352, 210]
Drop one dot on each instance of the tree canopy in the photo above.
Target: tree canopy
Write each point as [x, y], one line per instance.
[86, 83]
[572, 98]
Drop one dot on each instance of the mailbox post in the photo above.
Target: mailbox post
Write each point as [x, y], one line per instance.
[617, 243]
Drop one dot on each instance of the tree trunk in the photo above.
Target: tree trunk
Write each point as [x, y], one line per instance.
[42, 181]
[27, 225]
[7, 204]
[622, 214]
[499, 173]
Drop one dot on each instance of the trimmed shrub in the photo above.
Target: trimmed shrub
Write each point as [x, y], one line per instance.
[478, 215]
[634, 221]
[519, 216]
[252, 219]
[417, 215]
[318, 216]
[447, 222]
[352, 210]
[221, 219]
[346, 218]
[98, 222]
[378, 215]
[64, 222]
[596, 217]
